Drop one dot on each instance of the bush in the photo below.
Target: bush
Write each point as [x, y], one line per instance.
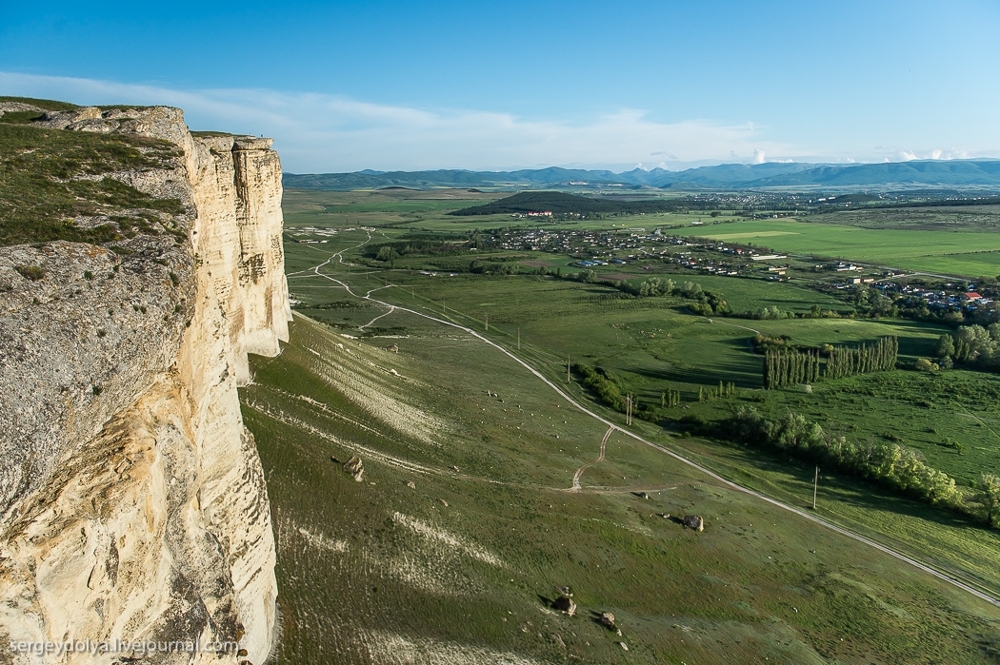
[32, 272]
[601, 385]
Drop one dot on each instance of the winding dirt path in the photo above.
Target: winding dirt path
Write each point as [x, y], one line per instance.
[579, 472]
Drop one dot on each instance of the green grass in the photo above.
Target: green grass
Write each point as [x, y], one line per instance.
[427, 211]
[42, 190]
[966, 253]
[47, 104]
[354, 572]
[950, 417]
[976, 218]
[759, 583]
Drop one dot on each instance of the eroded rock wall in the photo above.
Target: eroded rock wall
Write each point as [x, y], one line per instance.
[132, 501]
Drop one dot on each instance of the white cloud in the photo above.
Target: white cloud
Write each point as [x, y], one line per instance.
[937, 153]
[317, 132]
[321, 133]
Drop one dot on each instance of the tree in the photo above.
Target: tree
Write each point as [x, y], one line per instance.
[945, 347]
[989, 496]
[386, 253]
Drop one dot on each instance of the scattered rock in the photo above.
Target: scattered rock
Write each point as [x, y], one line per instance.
[565, 604]
[334, 460]
[665, 516]
[455, 469]
[412, 485]
[623, 646]
[607, 619]
[443, 502]
[392, 349]
[643, 495]
[558, 640]
[354, 467]
[695, 522]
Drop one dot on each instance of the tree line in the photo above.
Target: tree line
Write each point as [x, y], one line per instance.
[605, 388]
[973, 346]
[878, 357]
[890, 465]
[785, 366]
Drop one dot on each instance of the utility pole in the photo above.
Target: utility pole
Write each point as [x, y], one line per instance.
[487, 321]
[519, 338]
[567, 370]
[628, 410]
[815, 487]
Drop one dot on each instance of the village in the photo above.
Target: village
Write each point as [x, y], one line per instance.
[647, 251]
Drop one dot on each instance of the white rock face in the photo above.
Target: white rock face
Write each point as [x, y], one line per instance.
[132, 501]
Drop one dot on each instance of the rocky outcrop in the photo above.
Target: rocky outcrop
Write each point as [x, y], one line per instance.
[696, 522]
[356, 468]
[132, 502]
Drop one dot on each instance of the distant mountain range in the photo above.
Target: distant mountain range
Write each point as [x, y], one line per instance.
[964, 174]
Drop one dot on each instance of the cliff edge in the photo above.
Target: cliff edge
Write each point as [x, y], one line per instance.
[133, 506]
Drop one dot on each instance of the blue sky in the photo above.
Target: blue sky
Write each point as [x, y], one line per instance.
[486, 85]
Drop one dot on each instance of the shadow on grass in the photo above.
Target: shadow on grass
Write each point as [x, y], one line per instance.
[848, 489]
[745, 374]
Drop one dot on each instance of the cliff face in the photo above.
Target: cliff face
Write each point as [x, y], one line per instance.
[132, 502]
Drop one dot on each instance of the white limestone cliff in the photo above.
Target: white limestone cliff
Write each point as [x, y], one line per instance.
[132, 502]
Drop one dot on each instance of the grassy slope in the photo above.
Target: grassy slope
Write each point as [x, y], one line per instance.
[875, 607]
[365, 570]
[49, 177]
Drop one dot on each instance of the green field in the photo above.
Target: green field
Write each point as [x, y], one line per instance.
[405, 578]
[964, 253]
[381, 571]
[427, 211]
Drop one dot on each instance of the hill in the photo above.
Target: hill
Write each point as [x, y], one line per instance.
[976, 174]
[560, 203]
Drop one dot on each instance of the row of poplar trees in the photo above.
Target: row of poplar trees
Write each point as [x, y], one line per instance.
[786, 367]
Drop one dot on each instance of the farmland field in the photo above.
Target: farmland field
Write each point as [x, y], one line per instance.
[461, 566]
[965, 253]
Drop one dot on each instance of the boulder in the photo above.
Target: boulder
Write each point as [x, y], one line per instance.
[695, 522]
[565, 604]
[354, 467]
[607, 620]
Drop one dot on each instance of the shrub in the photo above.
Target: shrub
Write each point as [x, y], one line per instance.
[32, 272]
